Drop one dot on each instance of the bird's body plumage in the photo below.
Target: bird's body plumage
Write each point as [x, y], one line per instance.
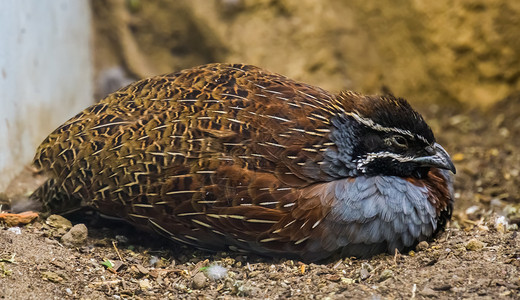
[234, 156]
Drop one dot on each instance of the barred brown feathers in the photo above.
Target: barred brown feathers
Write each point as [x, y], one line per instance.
[234, 156]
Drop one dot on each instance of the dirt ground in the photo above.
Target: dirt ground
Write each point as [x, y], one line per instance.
[477, 257]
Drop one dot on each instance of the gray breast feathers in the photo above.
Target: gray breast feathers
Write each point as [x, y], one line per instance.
[376, 214]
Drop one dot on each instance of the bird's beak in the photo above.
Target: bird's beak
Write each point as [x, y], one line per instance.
[439, 158]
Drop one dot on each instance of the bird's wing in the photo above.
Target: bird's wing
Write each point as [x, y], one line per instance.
[179, 144]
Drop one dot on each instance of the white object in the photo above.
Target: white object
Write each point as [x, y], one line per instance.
[15, 230]
[45, 74]
[216, 272]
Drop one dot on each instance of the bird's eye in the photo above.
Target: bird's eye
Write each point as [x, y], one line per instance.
[399, 141]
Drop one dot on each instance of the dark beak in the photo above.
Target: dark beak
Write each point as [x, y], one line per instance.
[439, 158]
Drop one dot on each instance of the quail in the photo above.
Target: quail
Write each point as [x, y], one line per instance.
[231, 156]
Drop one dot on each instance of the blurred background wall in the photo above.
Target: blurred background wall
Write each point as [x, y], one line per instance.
[449, 52]
[462, 50]
[45, 74]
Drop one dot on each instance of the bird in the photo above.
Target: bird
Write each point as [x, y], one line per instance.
[235, 157]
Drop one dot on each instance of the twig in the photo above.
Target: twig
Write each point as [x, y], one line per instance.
[397, 253]
[117, 251]
[106, 282]
[9, 260]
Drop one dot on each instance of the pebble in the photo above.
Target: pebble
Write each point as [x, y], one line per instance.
[199, 281]
[386, 274]
[15, 230]
[501, 224]
[51, 276]
[428, 292]
[76, 236]
[145, 284]
[364, 271]
[333, 277]
[17, 219]
[422, 246]
[153, 260]
[474, 245]
[143, 270]
[51, 241]
[247, 290]
[58, 221]
[117, 264]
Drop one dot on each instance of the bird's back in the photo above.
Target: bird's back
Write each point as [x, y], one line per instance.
[182, 144]
[216, 156]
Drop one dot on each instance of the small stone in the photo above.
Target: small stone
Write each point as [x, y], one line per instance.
[457, 290]
[364, 271]
[117, 265]
[50, 241]
[76, 236]
[145, 284]
[153, 260]
[501, 224]
[199, 281]
[428, 292]
[422, 246]
[17, 219]
[15, 230]
[143, 270]
[247, 290]
[58, 221]
[386, 274]
[474, 245]
[333, 277]
[51, 276]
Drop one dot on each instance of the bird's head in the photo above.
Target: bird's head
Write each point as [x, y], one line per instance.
[383, 135]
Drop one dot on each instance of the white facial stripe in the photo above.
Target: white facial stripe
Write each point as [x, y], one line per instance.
[423, 139]
[378, 127]
[370, 157]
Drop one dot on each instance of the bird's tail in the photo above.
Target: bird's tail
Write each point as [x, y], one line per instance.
[52, 198]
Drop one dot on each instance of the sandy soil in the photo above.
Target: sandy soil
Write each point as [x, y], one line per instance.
[477, 257]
